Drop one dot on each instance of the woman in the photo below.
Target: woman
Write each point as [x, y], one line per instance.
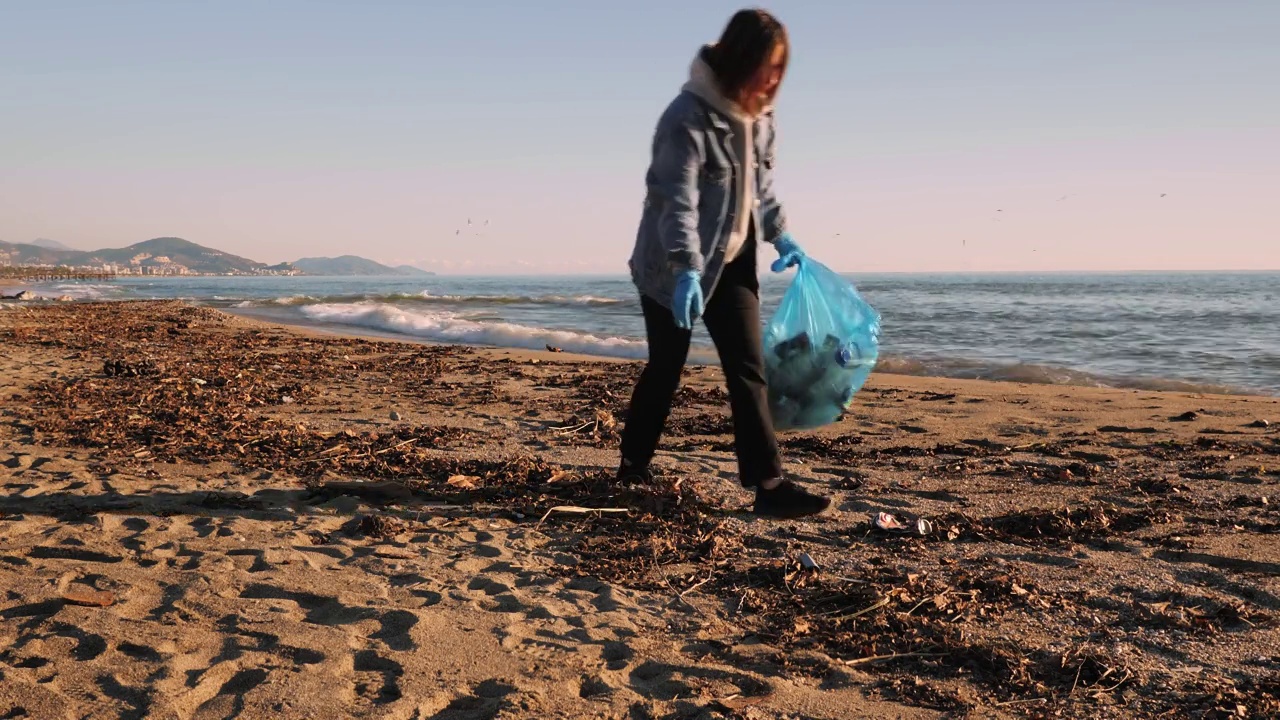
[710, 202]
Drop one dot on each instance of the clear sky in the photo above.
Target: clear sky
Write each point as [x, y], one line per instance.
[915, 135]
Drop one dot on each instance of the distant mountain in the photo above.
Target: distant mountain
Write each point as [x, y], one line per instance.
[197, 258]
[48, 244]
[23, 254]
[163, 254]
[157, 252]
[414, 271]
[349, 265]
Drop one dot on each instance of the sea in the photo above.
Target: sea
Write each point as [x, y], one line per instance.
[1199, 332]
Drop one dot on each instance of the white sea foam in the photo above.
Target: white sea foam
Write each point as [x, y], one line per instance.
[294, 300]
[429, 298]
[450, 328]
[588, 300]
[84, 291]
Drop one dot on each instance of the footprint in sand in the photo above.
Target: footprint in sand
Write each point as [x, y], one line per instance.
[207, 526]
[229, 699]
[378, 677]
[416, 586]
[395, 625]
[664, 681]
[20, 461]
[495, 699]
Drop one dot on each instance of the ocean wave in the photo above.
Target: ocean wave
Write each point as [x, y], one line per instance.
[450, 328]
[85, 291]
[426, 298]
[454, 320]
[573, 300]
[81, 292]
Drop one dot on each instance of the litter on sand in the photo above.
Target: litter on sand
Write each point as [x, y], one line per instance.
[891, 523]
[885, 521]
[574, 509]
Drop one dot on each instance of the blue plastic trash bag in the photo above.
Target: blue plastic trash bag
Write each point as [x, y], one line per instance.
[819, 348]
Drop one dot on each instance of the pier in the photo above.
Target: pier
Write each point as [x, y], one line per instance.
[30, 273]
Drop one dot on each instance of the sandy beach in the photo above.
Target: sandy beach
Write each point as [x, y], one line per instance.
[207, 516]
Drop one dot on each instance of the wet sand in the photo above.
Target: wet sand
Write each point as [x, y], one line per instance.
[202, 516]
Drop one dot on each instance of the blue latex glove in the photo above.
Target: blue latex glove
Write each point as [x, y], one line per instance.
[686, 302]
[789, 253]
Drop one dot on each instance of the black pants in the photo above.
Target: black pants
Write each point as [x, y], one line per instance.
[733, 318]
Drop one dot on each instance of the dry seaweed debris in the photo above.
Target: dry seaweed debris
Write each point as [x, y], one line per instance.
[211, 399]
[212, 396]
[913, 628]
[595, 424]
[1091, 524]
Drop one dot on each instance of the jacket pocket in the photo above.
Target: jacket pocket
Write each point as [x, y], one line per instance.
[714, 186]
[716, 176]
[715, 190]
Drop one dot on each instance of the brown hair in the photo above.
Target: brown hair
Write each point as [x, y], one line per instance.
[744, 47]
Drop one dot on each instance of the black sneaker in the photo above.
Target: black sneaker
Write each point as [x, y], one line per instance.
[788, 501]
[631, 475]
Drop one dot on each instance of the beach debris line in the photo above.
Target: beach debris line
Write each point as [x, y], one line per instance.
[125, 368]
[914, 619]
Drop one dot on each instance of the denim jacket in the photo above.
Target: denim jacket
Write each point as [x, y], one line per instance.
[690, 207]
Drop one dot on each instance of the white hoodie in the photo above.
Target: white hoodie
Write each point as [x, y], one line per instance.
[702, 82]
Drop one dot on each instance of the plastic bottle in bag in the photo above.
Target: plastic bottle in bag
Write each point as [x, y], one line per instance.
[812, 385]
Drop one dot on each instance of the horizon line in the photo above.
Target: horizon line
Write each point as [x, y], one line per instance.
[1126, 271]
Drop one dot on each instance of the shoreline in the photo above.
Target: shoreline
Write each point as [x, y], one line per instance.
[377, 529]
[896, 365]
[889, 363]
[892, 365]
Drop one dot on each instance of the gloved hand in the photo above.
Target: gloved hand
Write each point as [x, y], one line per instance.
[686, 302]
[789, 253]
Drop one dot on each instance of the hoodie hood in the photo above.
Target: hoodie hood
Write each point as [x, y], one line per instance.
[702, 82]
